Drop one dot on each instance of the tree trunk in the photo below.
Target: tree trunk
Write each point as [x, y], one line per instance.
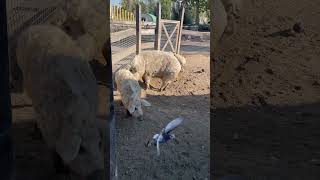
[197, 12]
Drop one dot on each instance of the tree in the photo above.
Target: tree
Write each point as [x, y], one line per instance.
[166, 9]
[194, 8]
[130, 5]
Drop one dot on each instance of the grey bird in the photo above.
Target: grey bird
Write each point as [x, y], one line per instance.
[165, 135]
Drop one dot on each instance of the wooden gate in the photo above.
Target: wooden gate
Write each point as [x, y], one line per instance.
[177, 30]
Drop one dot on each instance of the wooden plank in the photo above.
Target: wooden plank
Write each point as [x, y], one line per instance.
[180, 29]
[158, 28]
[123, 22]
[149, 32]
[177, 38]
[138, 28]
[169, 21]
[117, 36]
[194, 33]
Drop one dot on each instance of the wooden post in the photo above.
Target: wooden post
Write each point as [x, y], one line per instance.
[116, 13]
[177, 37]
[180, 29]
[6, 147]
[128, 19]
[138, 28]
[110, 13]
[157, 42]
[119, 14]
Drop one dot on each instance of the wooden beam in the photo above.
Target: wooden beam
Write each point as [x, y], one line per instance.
[170, 21]
[177, 38]
[158, 28]
[138, 28]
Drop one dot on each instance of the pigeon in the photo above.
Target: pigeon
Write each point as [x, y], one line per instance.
[165, 135]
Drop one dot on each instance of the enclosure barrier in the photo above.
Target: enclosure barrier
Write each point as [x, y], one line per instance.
[135, 37]
[6, 147]
[120, 14]
[16, 15]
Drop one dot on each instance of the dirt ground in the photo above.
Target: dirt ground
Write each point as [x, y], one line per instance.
[266, 93]
[187, 97]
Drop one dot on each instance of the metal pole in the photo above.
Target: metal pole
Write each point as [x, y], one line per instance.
[6, 146]
[111, 165]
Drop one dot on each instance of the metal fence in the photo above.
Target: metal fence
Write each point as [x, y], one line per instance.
[21, 14]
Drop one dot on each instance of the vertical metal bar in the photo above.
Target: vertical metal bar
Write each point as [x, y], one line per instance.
[6, 146]
[158, 28]
[111, 165]
[138, 28]
[180, 29]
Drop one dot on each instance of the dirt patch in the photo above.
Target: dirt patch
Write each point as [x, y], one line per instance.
[265, 97]
[188, 97]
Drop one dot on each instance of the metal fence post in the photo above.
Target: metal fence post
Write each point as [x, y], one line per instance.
[6, 147]
[111, 165]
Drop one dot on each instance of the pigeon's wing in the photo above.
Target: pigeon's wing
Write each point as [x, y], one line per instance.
[173, 124]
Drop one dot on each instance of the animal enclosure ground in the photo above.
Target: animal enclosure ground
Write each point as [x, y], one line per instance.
[266, 93]
[188, 97]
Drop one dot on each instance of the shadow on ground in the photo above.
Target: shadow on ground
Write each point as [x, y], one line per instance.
[271, 141]
[187, 159]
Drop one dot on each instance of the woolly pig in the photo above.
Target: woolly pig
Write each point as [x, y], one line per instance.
[163, 65]
[182, 61]
[88, 16]
[63, 90]
[130, 91]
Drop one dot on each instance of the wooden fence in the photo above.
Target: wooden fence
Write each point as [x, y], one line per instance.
[120, 14]
[121, 51]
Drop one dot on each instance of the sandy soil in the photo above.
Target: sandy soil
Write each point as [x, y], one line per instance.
[266, 93]
[188, 97]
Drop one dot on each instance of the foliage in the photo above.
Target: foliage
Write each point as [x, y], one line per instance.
[168, 11]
